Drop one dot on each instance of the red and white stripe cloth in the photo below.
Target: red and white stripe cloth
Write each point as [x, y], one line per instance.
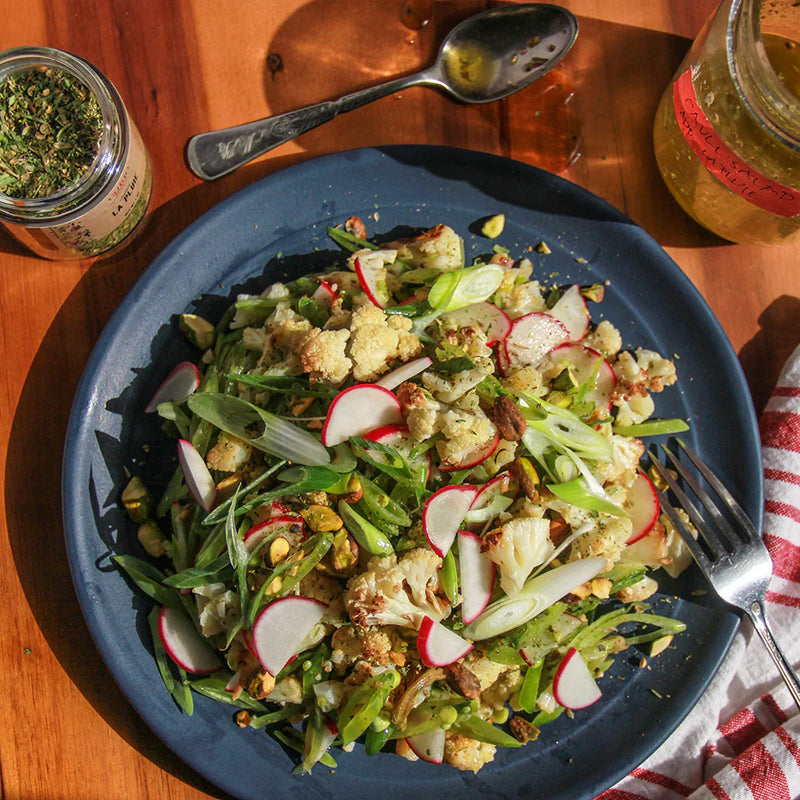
[742, 740]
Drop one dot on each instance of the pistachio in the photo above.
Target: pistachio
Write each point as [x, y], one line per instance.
[278, 550]
[137, 500]
[200, 332]
[527, 477]
[151, 538]
[493, 226]
[227, 486]
[321, 518]
[354, 491]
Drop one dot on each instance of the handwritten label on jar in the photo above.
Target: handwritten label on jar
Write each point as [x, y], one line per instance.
[722, 162]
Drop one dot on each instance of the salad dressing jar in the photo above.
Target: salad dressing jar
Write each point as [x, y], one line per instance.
[727, 130]
[76, 181]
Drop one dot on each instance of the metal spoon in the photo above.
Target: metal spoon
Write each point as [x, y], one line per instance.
[487, 57]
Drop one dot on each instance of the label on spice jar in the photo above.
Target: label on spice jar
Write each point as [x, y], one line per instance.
[116, 214]
[722, 162]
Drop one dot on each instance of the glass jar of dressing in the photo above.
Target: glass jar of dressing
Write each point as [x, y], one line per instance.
[727, 130]
[75, 176]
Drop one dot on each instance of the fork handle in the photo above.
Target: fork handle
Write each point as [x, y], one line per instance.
[759, 619]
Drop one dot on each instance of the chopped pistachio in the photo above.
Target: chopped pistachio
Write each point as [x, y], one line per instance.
[200, 332]
[137, 500]
[493, 226]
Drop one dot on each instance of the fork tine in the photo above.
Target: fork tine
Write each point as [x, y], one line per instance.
[727, 540]
[711, 539]
[699, 555]
[738, 512]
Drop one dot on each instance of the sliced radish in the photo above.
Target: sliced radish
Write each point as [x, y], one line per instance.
[282, 627]
[573, 685]
[358, 410]
[176, 387]
[195, 472]
[474, 457]
[439, 646]
[443, 514]
[428, 746]
[398, 437]
[370, 270]
[404, 372]
[184, 645]
[586, 362]
[493, 321]
[324, 294]
[570, 309]
[503, 364]
[644, 507]
[477, 572]
[532, 337]
[257, 532]
[500, 484]
[233, 684]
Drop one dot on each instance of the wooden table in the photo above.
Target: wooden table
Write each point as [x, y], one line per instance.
[192, 65]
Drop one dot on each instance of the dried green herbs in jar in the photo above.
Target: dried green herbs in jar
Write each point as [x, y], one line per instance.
[50, 131]
[75, 176]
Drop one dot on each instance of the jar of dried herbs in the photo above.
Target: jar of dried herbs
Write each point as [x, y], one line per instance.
[75, 175]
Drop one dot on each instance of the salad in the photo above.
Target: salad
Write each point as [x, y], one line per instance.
[409, 508]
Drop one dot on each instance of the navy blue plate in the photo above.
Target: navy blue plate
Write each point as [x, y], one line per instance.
[276, 227]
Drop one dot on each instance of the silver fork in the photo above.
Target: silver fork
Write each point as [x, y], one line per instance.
[729, 551]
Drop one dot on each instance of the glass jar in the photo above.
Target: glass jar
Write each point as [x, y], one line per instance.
[103, 203]
[727, 130]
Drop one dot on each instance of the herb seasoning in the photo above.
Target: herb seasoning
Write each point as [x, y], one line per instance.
[75, 176]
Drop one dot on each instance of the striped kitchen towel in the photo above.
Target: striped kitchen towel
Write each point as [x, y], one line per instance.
[742, 740]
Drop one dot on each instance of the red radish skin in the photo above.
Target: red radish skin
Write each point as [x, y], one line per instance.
[439, 646]
[257, 532]
[574, 686]
[532, 337]
[474, 457]
[405, 372]
[584, 360]
[195, 472]
[369, 283]
[477, 572]
[182, 381]
[570, 309]
[500, 484]
[491, 319]
[324, 294]
[184, 645]
[443, 514]
[645, 507]
[281, 628]
[358, 410]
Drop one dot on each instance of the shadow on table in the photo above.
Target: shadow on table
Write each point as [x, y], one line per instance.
[765, 354]
[33, 474]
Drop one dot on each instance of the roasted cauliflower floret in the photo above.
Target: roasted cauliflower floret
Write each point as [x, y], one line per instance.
[518, 299]
[464, 753]
[605, 338]
[352, 643]
[322, 353]
[517, 547]
[464, 433]
[218, 608]
[397, 592]
[438, 248]
[228, 454]
[607, 539]
[375, 341]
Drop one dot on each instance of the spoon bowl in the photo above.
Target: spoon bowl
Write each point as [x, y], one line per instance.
[485, 58]
[498, 52]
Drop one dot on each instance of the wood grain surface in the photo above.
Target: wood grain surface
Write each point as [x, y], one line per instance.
[186, 66]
